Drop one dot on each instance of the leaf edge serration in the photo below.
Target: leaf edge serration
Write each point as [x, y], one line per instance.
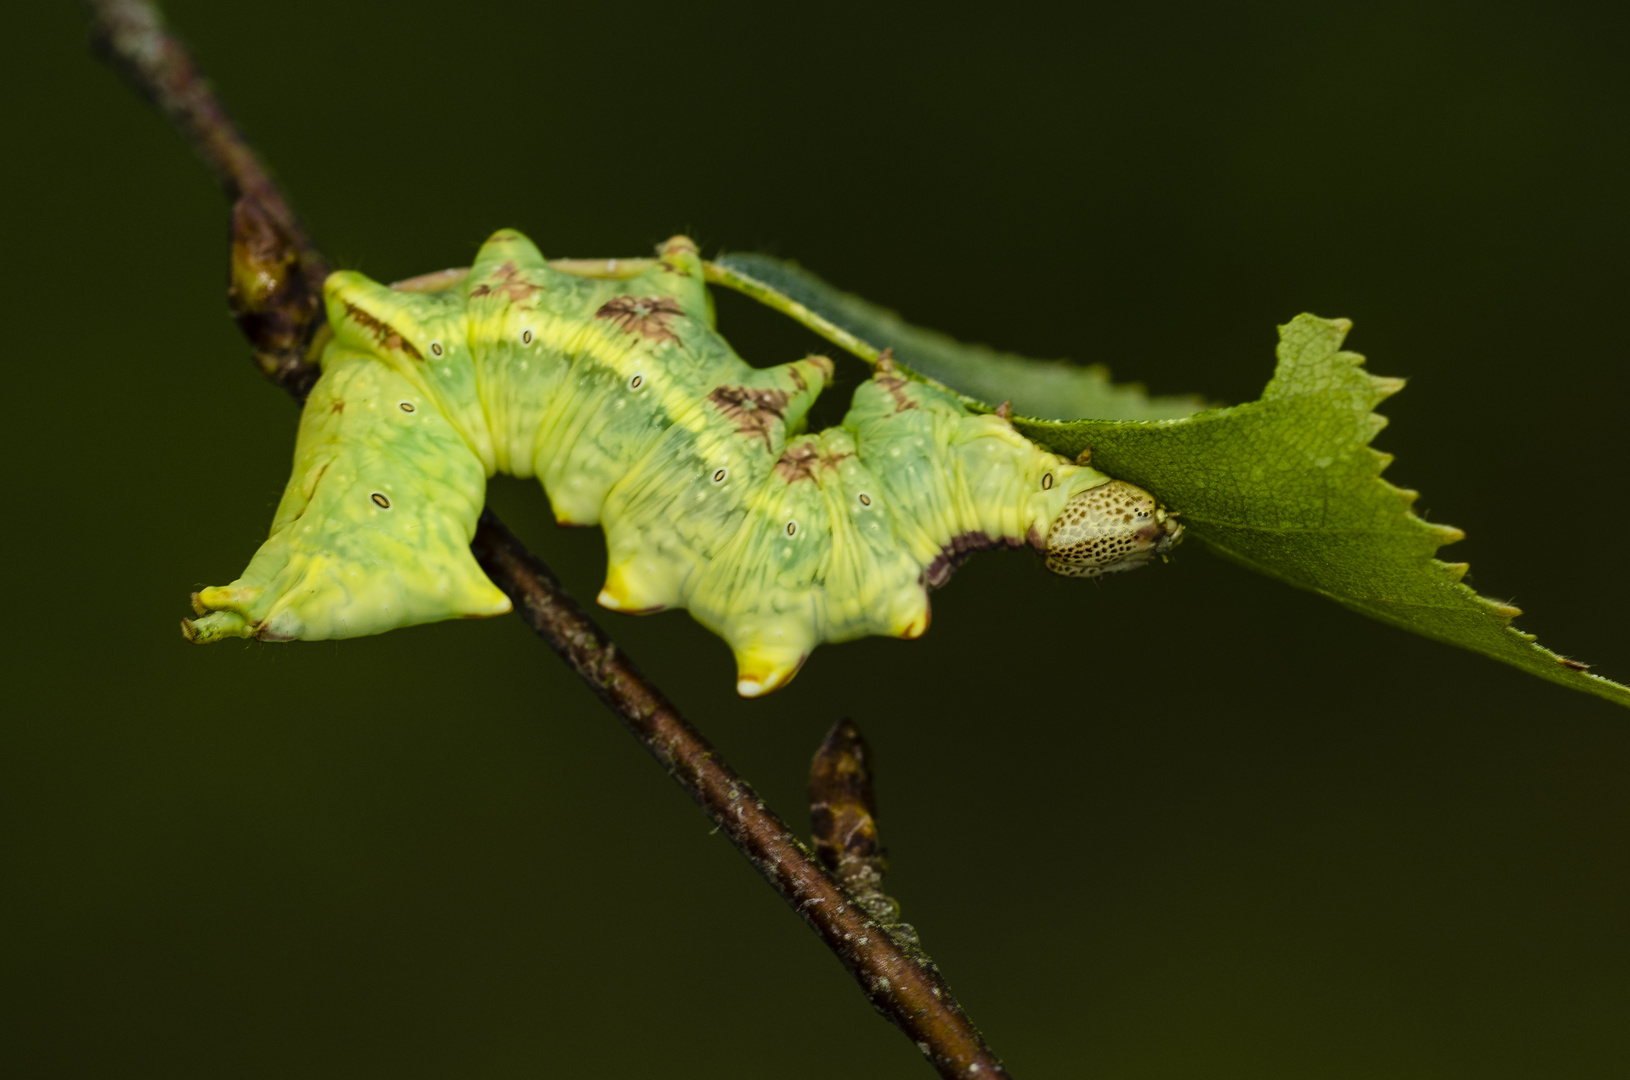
[1508, 645]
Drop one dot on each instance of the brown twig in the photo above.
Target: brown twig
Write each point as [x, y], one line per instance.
[276, 276]
[900, 982]
[843, 820]
[130, 35]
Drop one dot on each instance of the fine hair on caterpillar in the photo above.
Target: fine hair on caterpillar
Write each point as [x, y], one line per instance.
[635, 414]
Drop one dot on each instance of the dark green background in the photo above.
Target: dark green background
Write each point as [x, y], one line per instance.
[1185, 823]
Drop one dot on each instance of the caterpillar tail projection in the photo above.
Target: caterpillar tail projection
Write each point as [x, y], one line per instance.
[620, 397]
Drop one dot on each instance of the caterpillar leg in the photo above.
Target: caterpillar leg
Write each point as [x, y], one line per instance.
[374, 528]
[768, 663]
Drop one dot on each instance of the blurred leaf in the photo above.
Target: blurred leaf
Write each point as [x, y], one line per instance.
[1287, 485]
[1055, 389]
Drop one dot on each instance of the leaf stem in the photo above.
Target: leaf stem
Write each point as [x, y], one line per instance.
[718, 274]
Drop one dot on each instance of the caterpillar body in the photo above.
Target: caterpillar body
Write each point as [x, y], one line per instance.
[635, 414]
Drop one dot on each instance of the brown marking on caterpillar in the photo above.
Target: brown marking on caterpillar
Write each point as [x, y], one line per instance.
[309, 489]
[338, 406]
[896, 387]
[802, 459]
[955, 553]
[824, 365]
[672, 269]
[798, 379]
[264, 632]
[754, 412]
[510, 281]
[647, 316]
[388, 336]
[798, 462]
[832, 461]
[895, 384]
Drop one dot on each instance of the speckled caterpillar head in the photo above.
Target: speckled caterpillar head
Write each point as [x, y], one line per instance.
[1112, 527]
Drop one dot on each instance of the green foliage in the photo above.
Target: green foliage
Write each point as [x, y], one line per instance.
[1287, 485]
[1054, 389]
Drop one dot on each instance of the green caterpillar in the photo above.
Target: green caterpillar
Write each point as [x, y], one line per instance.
[635, 414]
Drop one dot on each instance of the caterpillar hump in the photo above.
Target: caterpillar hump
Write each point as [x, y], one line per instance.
[636, 415]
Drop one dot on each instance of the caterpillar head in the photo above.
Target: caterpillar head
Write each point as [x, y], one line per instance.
[1112, 527]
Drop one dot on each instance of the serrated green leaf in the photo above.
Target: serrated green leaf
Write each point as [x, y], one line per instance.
[1053, 389]
[1287, 485]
